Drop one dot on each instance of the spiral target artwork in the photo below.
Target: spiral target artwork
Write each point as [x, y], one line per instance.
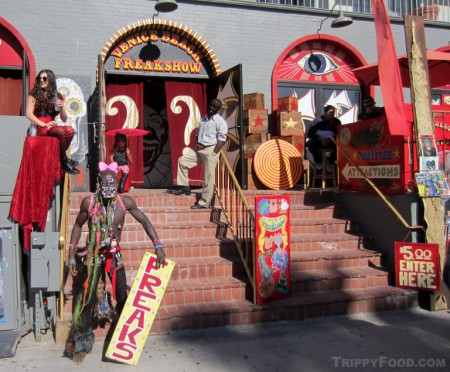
[278, 164]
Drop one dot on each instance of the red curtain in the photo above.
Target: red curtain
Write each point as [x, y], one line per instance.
[134, 90]
[10, 95]
[188, 95]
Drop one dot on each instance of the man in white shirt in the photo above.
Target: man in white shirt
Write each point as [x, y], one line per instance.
[211, 136]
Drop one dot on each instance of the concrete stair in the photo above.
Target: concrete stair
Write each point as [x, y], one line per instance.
[333, 269]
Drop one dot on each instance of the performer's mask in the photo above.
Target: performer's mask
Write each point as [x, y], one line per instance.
[108, 185]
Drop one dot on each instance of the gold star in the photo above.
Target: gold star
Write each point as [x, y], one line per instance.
[291, 123]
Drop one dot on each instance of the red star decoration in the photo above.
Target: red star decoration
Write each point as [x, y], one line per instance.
[259, 121]
[283, 105]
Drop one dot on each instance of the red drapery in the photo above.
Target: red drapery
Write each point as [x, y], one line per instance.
[188, 95]
[135, 91]
[39, 170]
[389, 72]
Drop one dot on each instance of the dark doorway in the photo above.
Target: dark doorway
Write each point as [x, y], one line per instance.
[156, 147]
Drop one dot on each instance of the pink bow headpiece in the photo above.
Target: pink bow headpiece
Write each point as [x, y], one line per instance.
[112, 167]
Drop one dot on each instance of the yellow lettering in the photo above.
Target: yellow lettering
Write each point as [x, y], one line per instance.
[117, 53]
[148, 66]
[176, 67]
[403, 278]
[117, 63]
[167, 66]
[195, 67]
[138, 64]
[158, 65]
[165, 37]
[174, 40]
[153, 35]
[128, 64]
[124, 47]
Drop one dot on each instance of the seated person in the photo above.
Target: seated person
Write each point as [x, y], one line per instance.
[44, 103]
[370, 111]
[318, 137]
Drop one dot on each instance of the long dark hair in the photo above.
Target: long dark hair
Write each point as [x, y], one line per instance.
[117, 137]
[44, 96]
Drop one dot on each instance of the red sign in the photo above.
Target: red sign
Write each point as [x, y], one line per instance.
[272, 247]
[375, 152]
[417, 266]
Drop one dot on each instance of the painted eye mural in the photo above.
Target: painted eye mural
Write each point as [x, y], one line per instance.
[317, 63]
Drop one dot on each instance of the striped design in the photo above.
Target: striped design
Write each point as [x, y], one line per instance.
[278, 164]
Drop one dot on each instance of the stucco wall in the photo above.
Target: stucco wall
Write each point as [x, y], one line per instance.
[67, 36]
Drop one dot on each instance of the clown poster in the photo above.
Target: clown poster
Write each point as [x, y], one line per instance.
[272, 247]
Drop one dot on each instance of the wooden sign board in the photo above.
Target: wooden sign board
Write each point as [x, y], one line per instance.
[273, 247]
[140, 310]
[417, 266]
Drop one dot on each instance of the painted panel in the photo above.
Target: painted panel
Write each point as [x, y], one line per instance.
[273, 275]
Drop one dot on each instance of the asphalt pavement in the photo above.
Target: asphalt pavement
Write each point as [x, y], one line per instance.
[412, 340]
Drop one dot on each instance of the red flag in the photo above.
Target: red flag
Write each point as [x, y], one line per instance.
[389, 71]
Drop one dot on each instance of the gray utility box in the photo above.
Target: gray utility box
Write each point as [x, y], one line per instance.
[45, 261]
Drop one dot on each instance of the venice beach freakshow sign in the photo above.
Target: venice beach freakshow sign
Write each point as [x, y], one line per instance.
[159, 47]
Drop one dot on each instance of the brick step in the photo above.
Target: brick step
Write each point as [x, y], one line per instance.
[336, 279]
[161, 198]
[208, 290]
[308, 305]
[322, 242]
[174, 230]
[333, 259]
[300, 307]
[170, 214]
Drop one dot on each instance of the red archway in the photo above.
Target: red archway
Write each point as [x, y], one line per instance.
[17, 44]
[288, 66]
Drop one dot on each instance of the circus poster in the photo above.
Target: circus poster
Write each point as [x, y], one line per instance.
[272, 247]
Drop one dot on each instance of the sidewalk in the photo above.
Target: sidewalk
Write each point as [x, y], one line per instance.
[413, 340]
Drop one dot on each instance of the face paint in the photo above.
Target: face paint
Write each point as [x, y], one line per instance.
[108, 185]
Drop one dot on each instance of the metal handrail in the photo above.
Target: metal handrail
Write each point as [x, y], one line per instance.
[238, 215]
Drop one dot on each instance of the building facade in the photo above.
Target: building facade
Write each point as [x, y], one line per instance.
[279, 50]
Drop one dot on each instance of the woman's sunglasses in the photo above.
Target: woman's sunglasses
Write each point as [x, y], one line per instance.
[43, 79]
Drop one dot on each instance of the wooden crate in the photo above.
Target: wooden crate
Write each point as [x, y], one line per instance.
[252, 142]
[256, 120]
[253, 100]
[290, 124]
[287, 104]
[297, 141]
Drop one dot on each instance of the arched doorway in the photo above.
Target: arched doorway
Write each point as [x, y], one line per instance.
[17, 69]
[317, 70]
[158, 75]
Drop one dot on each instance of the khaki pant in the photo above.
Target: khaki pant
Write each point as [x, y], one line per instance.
[190, 160]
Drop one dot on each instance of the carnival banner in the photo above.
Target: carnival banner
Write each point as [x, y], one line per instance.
[375, 152]
[272, 247]
[140, 310]
[417, 266]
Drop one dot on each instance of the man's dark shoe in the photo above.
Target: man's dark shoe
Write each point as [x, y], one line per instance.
[181, 191]
[198, 206]
[65, 167]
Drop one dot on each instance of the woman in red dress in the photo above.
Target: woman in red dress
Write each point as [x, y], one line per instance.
[43, 105]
